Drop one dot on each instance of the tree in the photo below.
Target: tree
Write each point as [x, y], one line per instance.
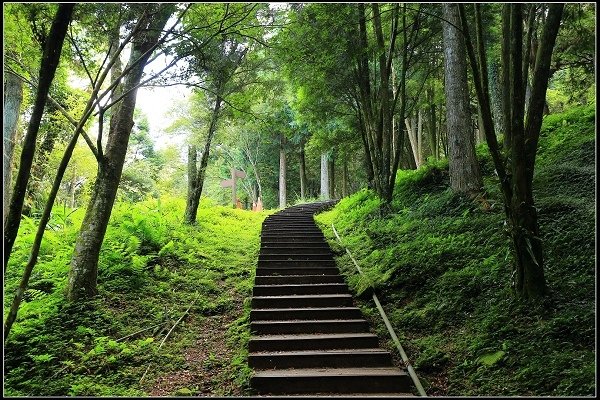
[465, 176]
[84, 264]
[13, 97]
[49, 63]
[515, 167]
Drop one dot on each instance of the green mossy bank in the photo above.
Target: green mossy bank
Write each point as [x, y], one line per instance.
[152, 268]
[441, 265]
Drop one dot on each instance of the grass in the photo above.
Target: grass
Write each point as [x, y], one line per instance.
[152, 268]
[442, 266]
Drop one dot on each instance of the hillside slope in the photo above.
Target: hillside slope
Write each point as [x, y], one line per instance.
[152, 269]
[441, 265]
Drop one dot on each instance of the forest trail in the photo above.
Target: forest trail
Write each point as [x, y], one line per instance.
[308, 338]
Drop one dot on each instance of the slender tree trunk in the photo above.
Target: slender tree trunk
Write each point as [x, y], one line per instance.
[49, 63]
[192, 199]
[496, 98]
[515, 170]
[84, 264]
[324, 177]
[465, 176]
[13, 97]
[345, 178]
[282, 173]
[331, 174]
[302, 172]
[194, 195]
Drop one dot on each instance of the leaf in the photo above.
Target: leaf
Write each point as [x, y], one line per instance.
[490, 359]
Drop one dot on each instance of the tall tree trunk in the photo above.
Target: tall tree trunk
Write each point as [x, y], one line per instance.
[34, 195]
[324, 177]
[302, 172]
[48, 65]
[345, 178]
[193, 198]
[496, 97]
[13, 97]
[331, 174]
[515, 169]
[465, 176]
[282, 173]
[84, 264]
[432, 125]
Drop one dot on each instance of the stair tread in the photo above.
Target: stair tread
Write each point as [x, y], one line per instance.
[329, 372]
[374, 350]
[309, 336]
[310, 321]
[301, 296]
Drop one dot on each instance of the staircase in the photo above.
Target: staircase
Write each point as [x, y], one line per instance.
[308, 338]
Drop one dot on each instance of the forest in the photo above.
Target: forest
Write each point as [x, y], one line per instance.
[457, 139]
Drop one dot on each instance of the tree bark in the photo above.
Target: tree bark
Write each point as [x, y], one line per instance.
[282, 173]
[193, 198]
[84, 264]
[516, 177]
[324, 177]
[465, 176]
[13, 97]
[302, 172]
[331, 175]
[345, 178]
[48, 66]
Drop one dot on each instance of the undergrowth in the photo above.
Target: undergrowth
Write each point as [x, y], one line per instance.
[442, 265]
[152, 268]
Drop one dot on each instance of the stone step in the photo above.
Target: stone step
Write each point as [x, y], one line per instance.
[302, 301]
[319, 341]
[289, 289]
[267, 269]
[340, 358]
[309, 326]
[297, 279]
[282, 262]
[287, 229]
[262, 314]
[334, 380]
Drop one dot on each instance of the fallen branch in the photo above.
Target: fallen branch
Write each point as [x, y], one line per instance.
[169, 333]
[140, 331]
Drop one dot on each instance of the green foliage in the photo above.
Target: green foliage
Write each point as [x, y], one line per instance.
[441, 266]
[151, 269]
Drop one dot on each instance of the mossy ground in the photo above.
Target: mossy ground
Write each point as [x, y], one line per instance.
[152, 268]
[442, 266]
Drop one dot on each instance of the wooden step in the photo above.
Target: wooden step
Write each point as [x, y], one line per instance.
[302, 301]
[290, 289]
[267, 269]
[339, 358]
[282, 262]
[272, 250]
[295, 257]
[318, 341]
[297, 279]
[261, 314]
[336, 380]
[308, 326]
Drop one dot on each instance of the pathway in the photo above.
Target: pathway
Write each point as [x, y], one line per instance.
[308, 337]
